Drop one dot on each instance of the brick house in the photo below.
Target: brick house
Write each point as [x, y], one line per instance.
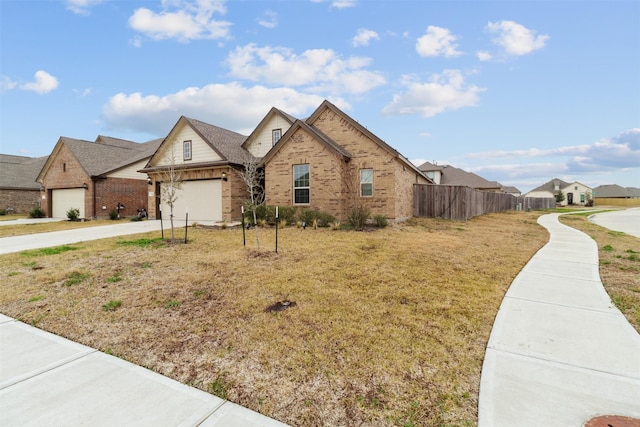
[19, 191]
[331, 163]
[205, 158]
[450, 175]
[95, 177]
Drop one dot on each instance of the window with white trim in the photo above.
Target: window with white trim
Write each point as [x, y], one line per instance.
[276, 134]
[186, 150]
[301, 184]
[366, 182]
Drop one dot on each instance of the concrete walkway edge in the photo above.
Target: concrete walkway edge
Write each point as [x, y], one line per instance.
[559, 353]
[49, 380]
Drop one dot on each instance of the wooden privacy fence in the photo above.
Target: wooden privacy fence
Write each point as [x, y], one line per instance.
[463, 203]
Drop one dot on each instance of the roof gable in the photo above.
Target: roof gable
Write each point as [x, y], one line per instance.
[256, 143]
[314, 133]
[224, 145]
[328, 105]
[551, 185]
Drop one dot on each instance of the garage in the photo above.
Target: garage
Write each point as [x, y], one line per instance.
[63, 200]
[203, 200]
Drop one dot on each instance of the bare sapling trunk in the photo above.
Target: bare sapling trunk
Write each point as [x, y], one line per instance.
[253, 178]
[171, 184]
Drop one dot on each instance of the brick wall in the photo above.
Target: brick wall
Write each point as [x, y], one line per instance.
[19, 201]
[65, 172]
[334, 185]
[132, 193]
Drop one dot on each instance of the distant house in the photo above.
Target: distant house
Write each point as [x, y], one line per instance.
[574, 193]
[206, 157]
[450, 175]
[616, 195]
[19, 191]
[512, 190]
[95, 177]
[329, 162]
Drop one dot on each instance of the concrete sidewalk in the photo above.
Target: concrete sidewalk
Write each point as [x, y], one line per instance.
[559, 353]
[67, 237]
[46, 380]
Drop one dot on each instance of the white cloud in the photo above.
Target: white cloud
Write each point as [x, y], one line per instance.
[319, 70]
[444, 92]
[364, 36]
[6, 84]
[182, 20]
[484, 55]
[438, 41]
[269, 19]
[339, 4]
[81, 7]
[515, 38]
[231, 106]
[44, 83]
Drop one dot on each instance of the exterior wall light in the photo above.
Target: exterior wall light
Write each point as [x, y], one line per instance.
[224, 176]
[149, 180]
[85, 186]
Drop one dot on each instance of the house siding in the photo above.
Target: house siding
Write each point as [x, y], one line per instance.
[262, 142]
[200, 150]
[131, 171]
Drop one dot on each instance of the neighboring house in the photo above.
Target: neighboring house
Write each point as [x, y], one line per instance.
[512, 190]
[613, 194]
[95, 177]
[331, 163]
[574, 193]
[449, 175]
[19, 191]
[206, 159]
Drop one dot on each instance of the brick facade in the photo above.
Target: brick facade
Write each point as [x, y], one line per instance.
[334, 181]
[19, 201]
[66, 172]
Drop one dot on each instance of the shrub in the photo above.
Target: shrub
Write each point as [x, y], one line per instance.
[268, 214]
[73, 214]
[316, 218]
[359, 216]
[36, 213]
[380, 221]
[113, 214]
[3, 212]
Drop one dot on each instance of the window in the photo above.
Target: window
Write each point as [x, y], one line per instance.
[64, 167]
[301, 184]
[582, 198]
[366, 182]
[186, 150]
[276, 134]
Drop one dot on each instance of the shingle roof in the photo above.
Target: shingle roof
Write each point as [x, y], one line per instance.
[101, 158]
[551, 185]
[455, 176]
[227, 143]
[20, 173]
[615, 191]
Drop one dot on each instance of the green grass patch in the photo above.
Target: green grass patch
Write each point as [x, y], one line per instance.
[607, 248]
[115, 278]
[36, 298]
[141, 243]
[50, 251]
[172, 303]
[74, 278]
[112, 305]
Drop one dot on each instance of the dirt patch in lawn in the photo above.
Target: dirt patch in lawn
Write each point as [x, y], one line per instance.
[389, 327]
[619, 257]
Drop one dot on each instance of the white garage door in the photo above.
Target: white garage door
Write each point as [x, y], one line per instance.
[63, 200]
[203, 199]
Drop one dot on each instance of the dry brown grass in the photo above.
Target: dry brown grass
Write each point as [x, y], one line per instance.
[43, 227]
[619, 255]
[390, 326]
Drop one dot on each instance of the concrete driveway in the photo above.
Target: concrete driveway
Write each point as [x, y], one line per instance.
[627, 221]
[67, 237]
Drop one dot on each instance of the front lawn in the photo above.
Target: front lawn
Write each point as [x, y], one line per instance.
[384, 327]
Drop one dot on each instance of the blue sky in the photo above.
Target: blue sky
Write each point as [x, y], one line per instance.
[516, 91]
